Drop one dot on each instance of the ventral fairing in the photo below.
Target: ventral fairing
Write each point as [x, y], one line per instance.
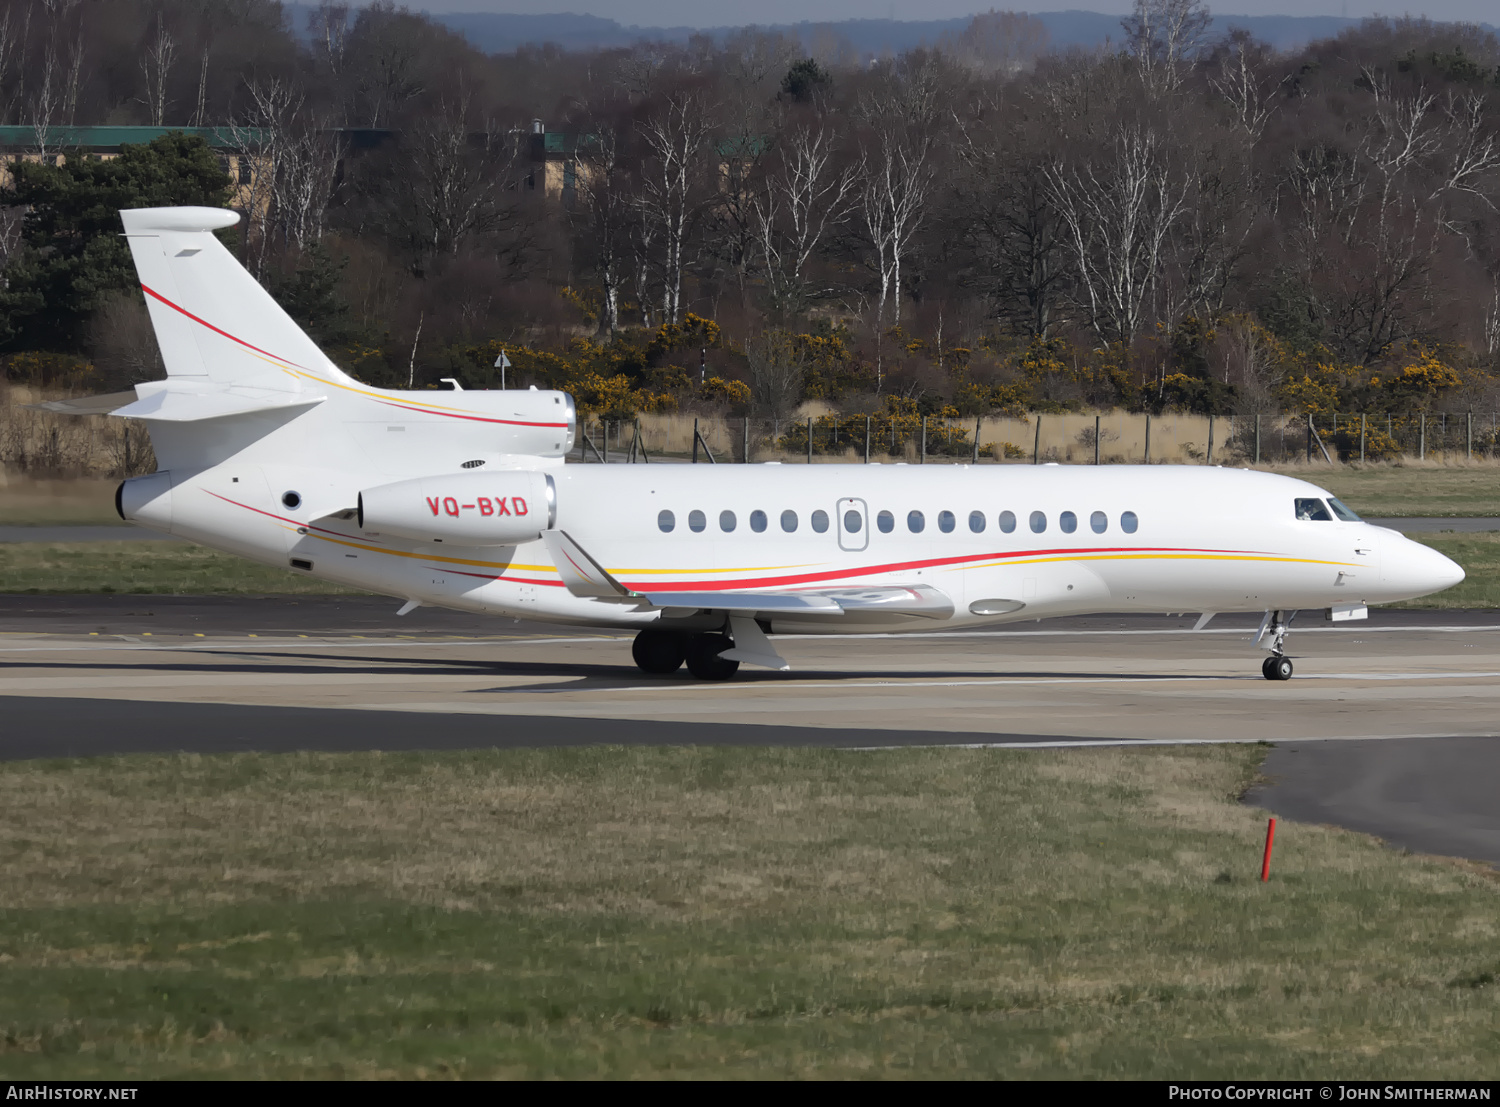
[462, 500]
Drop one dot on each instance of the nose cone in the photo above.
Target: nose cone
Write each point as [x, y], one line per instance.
[1419, 570]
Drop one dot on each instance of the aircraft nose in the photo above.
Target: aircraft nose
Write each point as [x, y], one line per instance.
[1424, 570]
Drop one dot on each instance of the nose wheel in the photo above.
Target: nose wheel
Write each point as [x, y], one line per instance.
[1277, 667]
[1274, 626]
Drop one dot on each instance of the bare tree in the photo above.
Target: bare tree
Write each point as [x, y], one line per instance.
[999, 43]
[605, 205]
[675, 135]
[1119, 215]
[1164, 36]
[778, 373]
[1244, 85]
[893, 200]
[156, 66]
[802, 200]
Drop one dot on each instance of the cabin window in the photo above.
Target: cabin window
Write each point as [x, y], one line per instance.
[886, 522]
[946, 522]
[916, 522]
[1068, 521]
[789, 521]
[1311, 510]
[697, 521]
[665, 521]
[976, 522]
[758, 522]
[1007, 521]
[853, 520]
[726, 521]
[1099, 522]
[1038, 522]
[820, 521]
[1343, 511]
[1128, 522]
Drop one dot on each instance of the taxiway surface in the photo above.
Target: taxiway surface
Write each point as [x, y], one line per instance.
[1389, 726]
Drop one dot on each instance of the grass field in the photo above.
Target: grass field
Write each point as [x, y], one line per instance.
[1408, 490]
[720, 912]
[153, 568]
[59, 503]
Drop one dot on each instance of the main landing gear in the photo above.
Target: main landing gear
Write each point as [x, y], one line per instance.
[1275, 625]
[662, 652]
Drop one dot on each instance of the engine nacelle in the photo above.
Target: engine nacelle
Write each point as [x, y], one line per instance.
[499, 508]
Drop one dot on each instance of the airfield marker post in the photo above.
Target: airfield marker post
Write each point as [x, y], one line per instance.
[923, 460]
[745, 445]
[1208, 457]
[1361, 438]
[809, 439]
[1257, 440]
[695, 442]
[867, 440]
[977, 423]
[1147, 455]
[1036, 443]
[1265, 861]
[1096, 440]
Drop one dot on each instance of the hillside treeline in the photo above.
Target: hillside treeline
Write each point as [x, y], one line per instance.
[1175, 222]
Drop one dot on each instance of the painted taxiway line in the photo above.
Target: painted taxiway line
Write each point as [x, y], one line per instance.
[1086, 743]
[794, 685]
[241, 645]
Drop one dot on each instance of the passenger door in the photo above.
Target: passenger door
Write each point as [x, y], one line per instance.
[854, 524]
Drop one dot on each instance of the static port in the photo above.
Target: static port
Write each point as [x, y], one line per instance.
[292, 500]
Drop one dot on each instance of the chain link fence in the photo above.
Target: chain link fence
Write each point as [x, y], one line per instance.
[1112, 439]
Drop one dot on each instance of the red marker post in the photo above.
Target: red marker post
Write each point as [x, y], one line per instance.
[1265, 864]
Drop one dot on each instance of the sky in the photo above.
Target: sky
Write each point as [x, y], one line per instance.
[719, 13]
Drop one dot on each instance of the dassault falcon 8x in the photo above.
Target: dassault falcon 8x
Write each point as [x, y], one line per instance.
[461, 499]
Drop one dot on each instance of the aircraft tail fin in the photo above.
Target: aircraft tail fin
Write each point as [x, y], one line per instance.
[214, 323]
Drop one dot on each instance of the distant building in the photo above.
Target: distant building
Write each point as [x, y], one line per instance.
[237, 147]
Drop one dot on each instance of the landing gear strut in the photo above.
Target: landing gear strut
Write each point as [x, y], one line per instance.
[1275, 626]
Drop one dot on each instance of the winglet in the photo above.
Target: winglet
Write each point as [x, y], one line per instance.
[581, 574]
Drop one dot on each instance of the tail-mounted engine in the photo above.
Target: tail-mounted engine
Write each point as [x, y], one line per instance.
[499, 508]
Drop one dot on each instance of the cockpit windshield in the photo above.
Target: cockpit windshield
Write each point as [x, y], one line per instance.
[1343, 511]
[1312, 510]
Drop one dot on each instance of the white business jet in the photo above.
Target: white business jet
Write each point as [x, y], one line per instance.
[462, 500]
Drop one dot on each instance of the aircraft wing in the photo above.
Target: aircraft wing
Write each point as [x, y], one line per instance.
[584, 576]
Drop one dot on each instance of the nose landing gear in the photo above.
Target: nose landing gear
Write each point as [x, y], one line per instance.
[1277, 667]
[1275, 625]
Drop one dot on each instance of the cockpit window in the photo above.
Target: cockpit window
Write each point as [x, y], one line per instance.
[1343, 511]
[1313, 510]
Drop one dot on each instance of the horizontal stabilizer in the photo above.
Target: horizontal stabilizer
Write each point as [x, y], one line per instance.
[88, 405]
[176, 405]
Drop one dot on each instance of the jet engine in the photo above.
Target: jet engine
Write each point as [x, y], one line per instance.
[499, 508]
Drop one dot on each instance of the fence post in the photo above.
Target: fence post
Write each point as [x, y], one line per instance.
[809, 439]
[977, 422]
[1036, 444]
[1422, 439]
[1309, 437]
[603, 426]
[924, 441]
[1257, 440]
[1148, 438]
[695, 442]
[1208, 457]
[867, 440]
[745, 445]
[1361, 438]
[1096, 440]
[1469, 440]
